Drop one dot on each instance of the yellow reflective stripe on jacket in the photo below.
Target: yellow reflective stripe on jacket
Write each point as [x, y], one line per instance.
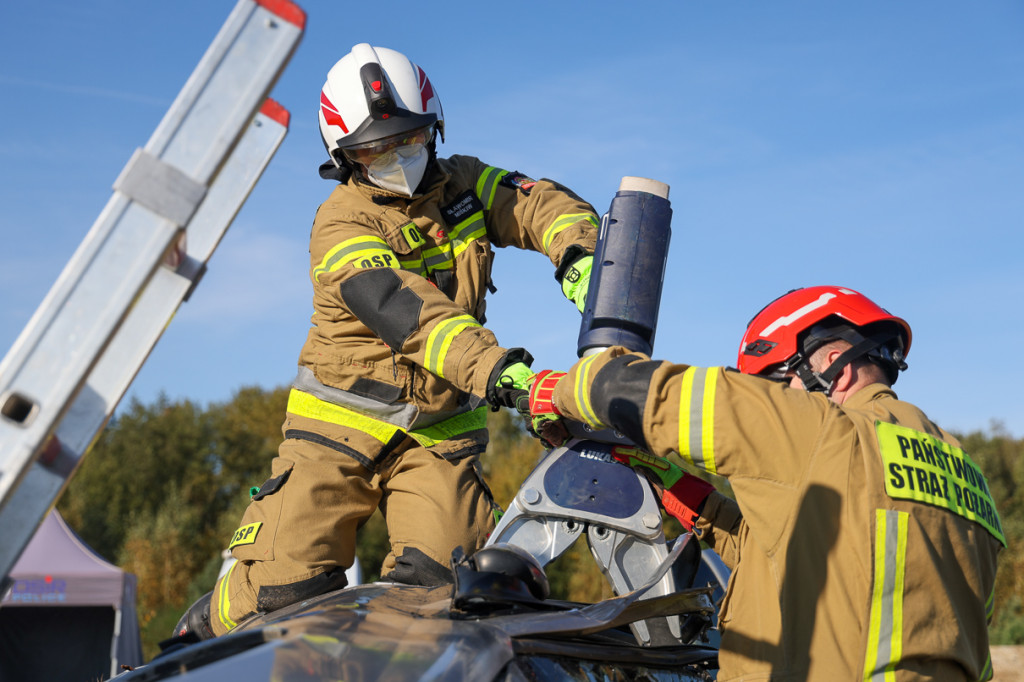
[473, 227]
[438, 258]
[306, 405]
[440, 339]
[443, 257]
[487, 184]
[990, 606]
[562, 222]
[413, 265]
[885, 633]
[697, 417]
[223, 601]
[357, 248]
[581, 391]
[452, 427]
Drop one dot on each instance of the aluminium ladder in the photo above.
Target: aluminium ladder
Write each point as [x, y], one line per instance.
[172, 203]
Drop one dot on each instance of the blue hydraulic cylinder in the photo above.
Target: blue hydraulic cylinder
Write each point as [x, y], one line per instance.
[629, 269]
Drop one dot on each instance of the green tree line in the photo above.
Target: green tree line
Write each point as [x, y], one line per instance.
[166, 483]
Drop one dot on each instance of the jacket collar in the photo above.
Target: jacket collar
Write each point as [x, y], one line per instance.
[868, 394]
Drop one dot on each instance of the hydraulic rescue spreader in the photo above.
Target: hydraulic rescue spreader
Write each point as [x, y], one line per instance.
[579, 488]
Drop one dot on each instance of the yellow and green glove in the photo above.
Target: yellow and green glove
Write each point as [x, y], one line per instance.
[576, 280]
[682, 494]
[513, 384]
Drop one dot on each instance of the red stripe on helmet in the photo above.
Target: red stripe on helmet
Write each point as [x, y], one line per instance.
[426, 90]
[330, 113]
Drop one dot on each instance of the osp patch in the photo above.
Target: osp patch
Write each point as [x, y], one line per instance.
[246, 535]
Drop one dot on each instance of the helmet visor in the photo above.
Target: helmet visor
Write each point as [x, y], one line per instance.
[368, 153]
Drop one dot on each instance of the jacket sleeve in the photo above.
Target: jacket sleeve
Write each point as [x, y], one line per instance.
[721, 526]
[539, 215]
[758, 433]
[717, 419]
[356, 275]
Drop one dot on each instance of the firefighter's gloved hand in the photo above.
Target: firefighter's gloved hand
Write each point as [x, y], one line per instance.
[512, 388]
[516, 388]
[545, 419]
[513, 384]
[576, 280]
[682, 494]
[509, 382]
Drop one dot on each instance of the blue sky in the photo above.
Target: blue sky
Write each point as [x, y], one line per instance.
[874, 145]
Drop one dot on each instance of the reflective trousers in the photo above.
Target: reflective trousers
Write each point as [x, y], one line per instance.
[298, 534]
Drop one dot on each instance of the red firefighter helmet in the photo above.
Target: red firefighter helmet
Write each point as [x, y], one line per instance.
[788, 330]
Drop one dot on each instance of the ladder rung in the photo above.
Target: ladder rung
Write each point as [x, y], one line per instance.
[142, 257]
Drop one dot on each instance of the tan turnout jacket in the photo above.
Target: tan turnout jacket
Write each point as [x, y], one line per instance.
[868, 537]
[399, 286]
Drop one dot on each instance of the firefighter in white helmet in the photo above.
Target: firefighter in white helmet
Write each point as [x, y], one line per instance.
[398, 372]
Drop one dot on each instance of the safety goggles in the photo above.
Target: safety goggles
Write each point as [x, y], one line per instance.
[367, 153]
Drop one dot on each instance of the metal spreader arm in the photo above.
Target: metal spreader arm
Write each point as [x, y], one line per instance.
[580, 489]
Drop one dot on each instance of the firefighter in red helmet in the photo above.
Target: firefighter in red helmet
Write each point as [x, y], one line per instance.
[863, 539]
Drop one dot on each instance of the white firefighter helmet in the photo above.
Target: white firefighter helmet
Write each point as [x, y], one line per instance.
[374, 93]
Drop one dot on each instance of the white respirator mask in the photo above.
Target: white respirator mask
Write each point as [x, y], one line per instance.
[401, 170]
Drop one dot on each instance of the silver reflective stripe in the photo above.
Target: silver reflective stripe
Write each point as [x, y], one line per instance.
[697, 417]
[405, 416]
[438, 258]
[487, 183]
[885, 634]
[402, 415]
[696, 441]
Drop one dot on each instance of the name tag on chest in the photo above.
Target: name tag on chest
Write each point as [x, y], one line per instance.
[465, 205]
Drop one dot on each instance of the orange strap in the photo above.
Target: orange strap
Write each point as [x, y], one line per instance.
[685, 498]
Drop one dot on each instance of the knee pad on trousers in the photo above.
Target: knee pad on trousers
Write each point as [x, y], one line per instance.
[416, 568]
[273, 597]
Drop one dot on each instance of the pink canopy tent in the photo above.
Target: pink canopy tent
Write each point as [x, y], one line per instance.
[69, 614]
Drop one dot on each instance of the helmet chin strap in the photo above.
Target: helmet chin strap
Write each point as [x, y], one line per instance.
[811, 380]
[822, 381]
